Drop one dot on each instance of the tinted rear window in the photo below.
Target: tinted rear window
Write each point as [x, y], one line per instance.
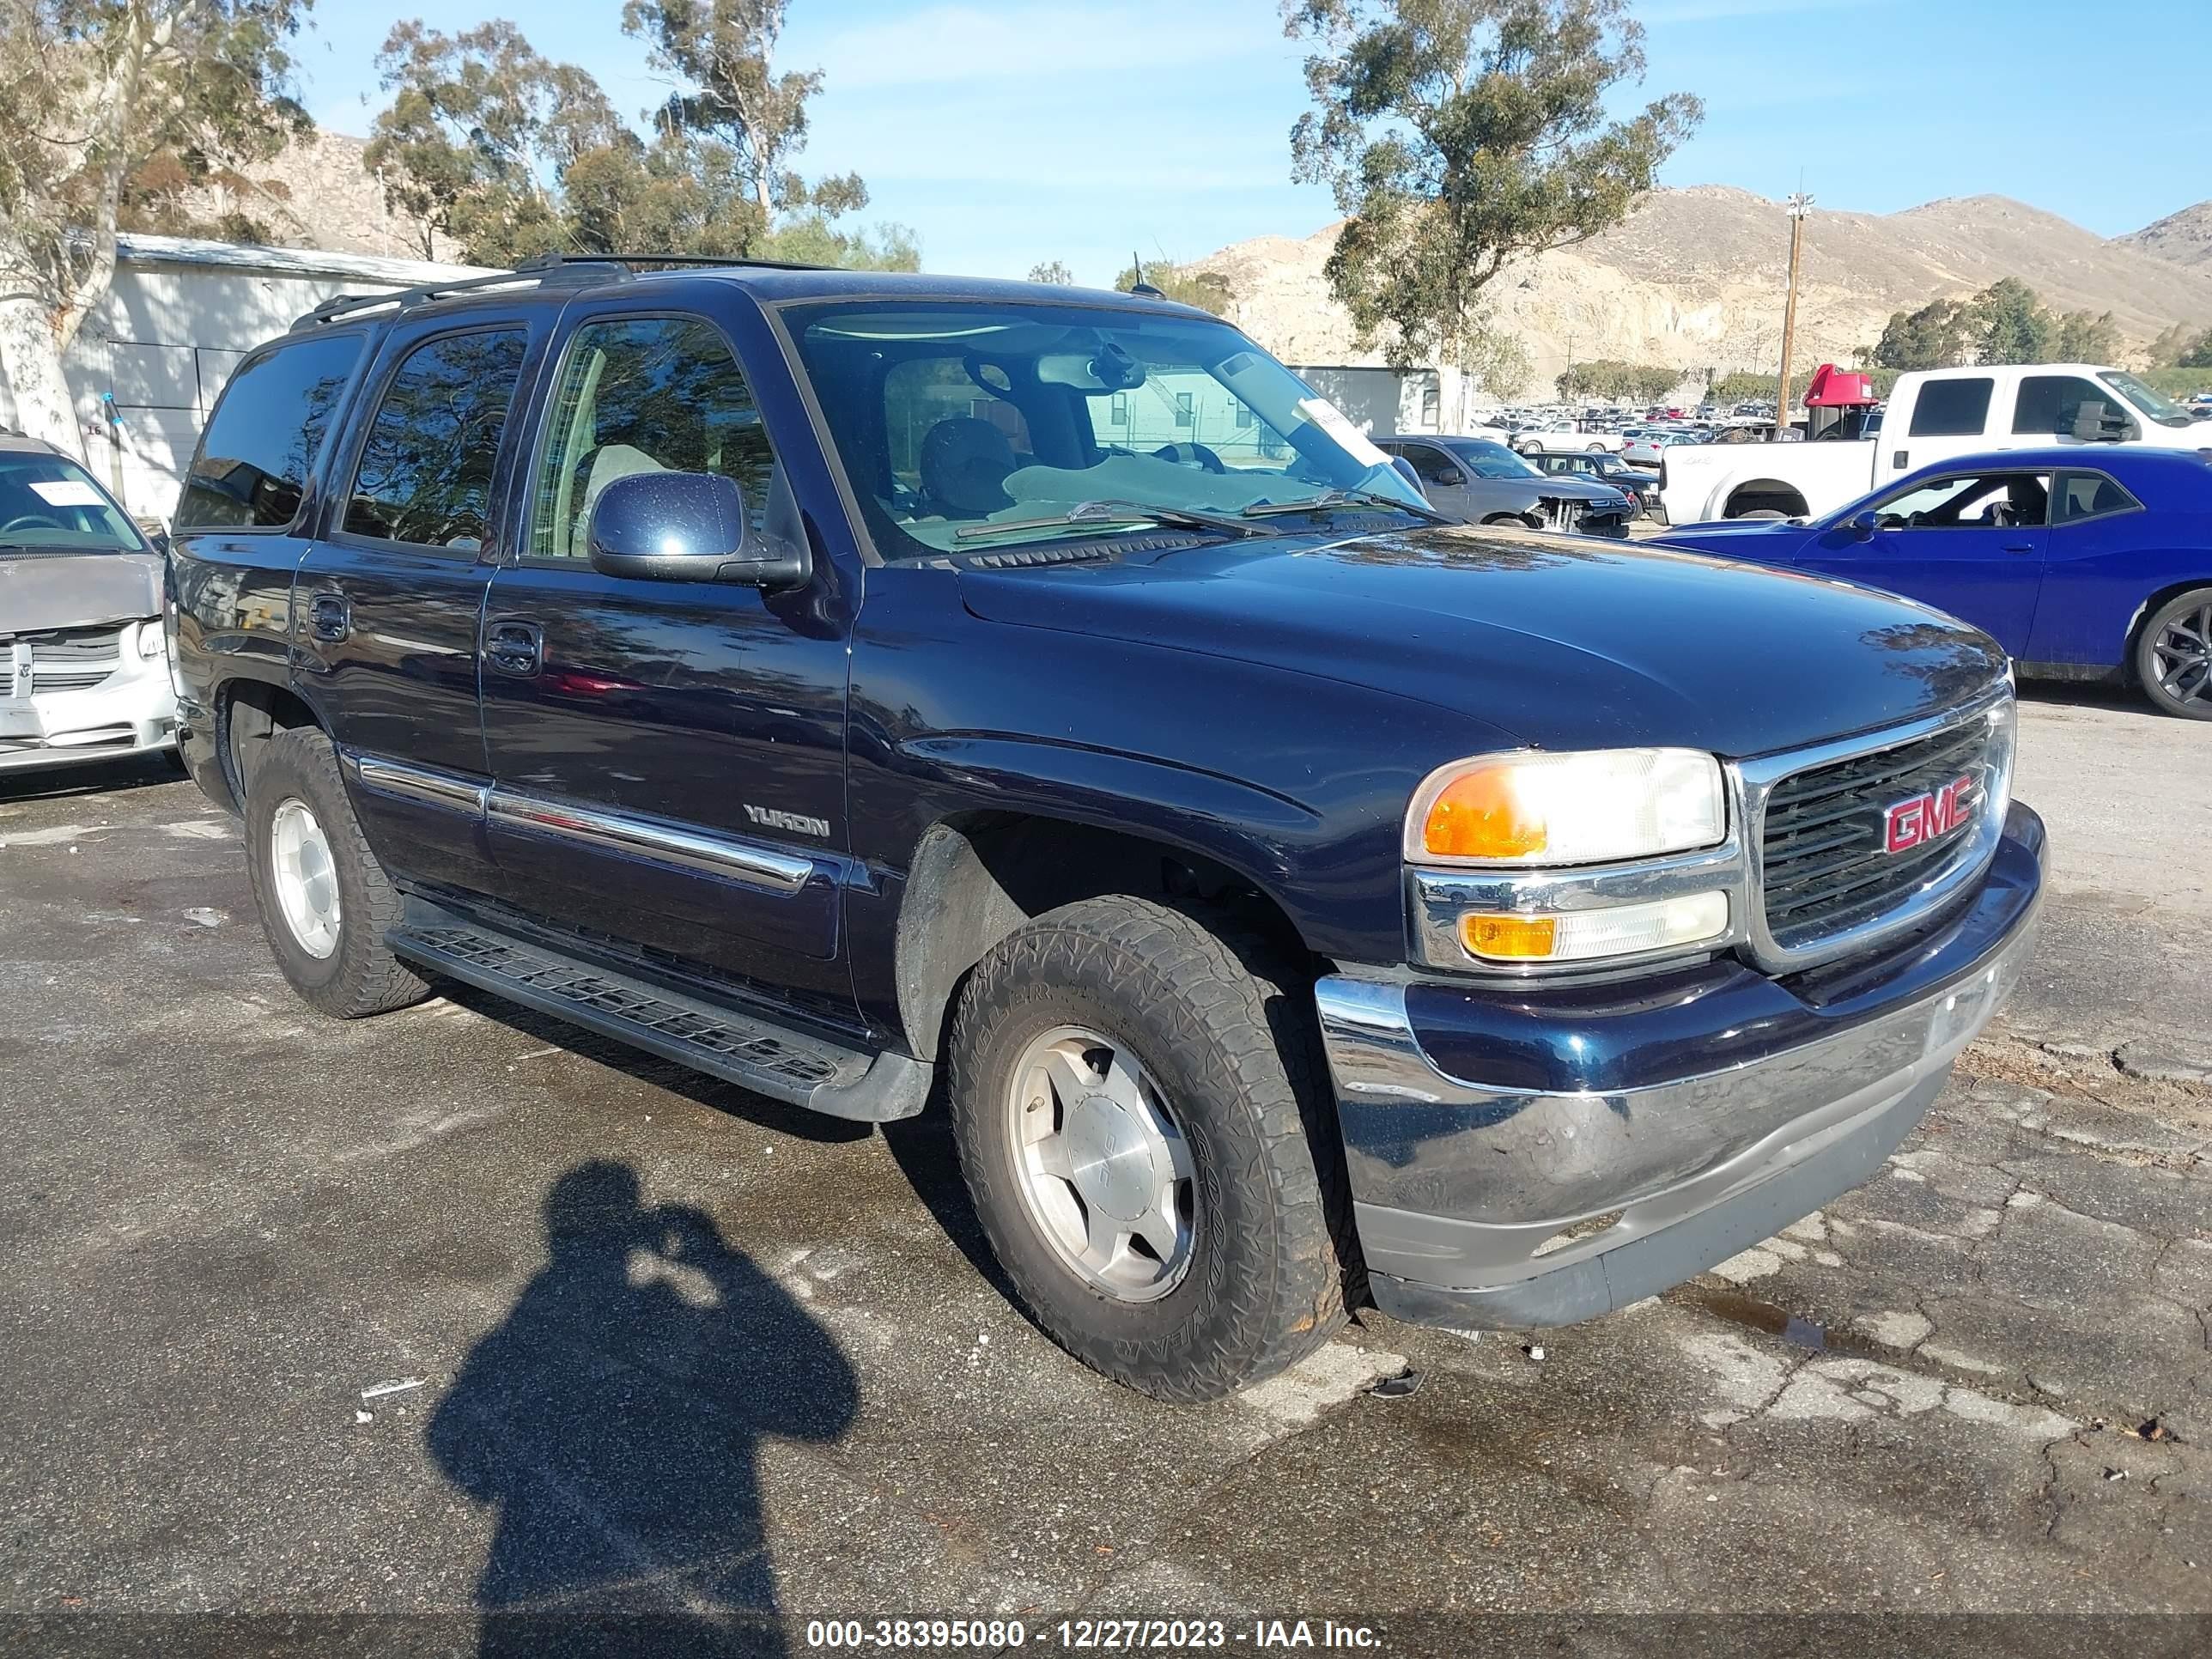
[261, 442]
[1951, 408]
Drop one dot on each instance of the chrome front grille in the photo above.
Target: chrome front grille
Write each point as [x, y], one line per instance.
[70, 660]
[1825, 866]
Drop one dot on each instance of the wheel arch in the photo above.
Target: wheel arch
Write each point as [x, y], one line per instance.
[977, 876]
[249, 713]
[1752, 494]
[2150, 607]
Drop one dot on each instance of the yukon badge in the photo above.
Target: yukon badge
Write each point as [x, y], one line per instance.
[1910, 823]
[797, 822]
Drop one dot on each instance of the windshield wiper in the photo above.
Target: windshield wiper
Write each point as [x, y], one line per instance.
[1089, 515]
[1329, 498]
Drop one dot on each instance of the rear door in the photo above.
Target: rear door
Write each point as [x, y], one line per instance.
[387, 601]
[1949, 416]
[1970, 543]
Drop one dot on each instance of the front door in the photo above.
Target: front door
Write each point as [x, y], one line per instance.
[1972, 544]
[667, 756]
[386, 603]
[1441, 480]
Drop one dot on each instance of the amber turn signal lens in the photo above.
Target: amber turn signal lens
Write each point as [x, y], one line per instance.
[1481, 815]
[1508, 938]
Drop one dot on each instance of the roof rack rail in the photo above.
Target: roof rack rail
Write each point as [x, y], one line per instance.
[544, 270]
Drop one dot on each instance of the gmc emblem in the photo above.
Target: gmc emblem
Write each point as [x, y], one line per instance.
[1911, 823]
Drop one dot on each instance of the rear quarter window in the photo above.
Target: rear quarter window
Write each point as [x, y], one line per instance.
[261, 443]
[1951, 408]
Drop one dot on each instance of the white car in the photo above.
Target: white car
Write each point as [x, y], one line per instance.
[84, 665]
[1560, 438]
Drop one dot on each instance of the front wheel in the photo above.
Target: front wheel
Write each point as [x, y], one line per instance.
[1143, 1128]
[2173, 656]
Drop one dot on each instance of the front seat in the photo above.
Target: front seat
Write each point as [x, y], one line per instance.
[964, 464]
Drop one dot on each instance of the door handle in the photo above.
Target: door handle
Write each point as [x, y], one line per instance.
[328, 618]
[1901, 459]
[516, 647]
[2020, 547]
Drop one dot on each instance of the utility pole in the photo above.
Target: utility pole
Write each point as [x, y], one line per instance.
[1797, 207]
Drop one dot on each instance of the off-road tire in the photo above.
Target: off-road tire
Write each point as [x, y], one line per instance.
[361, 976]
[2147, 669]
[1238, 1057]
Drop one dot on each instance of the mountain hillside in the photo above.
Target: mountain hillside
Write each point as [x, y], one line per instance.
[1694, 278]
[2185, 238]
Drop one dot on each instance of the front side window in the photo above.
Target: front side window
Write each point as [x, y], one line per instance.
[1432, 463]
[251, 467]
[1486, 459]
[972, 426]
[49, 504]
[1951, 408]
[1978, 501]
[643, 394]
[2049, 405]
[425, 473]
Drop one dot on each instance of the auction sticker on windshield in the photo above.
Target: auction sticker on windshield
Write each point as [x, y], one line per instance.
[66, 492]
[1331, 420]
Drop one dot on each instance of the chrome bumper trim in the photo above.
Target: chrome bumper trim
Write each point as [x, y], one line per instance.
[1477, 1183]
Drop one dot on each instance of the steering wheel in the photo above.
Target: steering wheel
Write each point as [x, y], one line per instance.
[1196, 455]
[31, 521]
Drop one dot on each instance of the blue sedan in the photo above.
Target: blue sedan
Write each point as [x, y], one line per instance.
[2084, 563]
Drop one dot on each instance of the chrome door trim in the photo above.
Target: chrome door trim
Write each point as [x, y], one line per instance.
[635, 837]
[418, 783]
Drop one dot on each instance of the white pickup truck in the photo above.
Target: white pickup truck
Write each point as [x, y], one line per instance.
[1932, 415]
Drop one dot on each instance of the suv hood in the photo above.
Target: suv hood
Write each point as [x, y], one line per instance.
[1565, 643]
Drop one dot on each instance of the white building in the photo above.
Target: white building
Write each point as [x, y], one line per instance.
[179, 316]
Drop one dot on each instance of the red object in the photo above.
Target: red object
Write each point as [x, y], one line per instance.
[1834, 388]
[1914, 823]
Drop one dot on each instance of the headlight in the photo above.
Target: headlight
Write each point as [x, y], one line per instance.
[151, 645]
[1586, 935]
[1544, 809]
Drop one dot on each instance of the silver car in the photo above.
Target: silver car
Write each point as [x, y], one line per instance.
[85, 663]
[1479, 481]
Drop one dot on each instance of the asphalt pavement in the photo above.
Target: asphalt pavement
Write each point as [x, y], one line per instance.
[461, 1330]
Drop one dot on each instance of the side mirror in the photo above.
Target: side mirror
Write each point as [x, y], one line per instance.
[1862, 524]
[2097, 422]
[687, 528]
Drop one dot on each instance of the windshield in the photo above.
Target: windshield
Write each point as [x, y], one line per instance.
[2154, 404]
[48, 503]
[1489, 460]
[952, 416]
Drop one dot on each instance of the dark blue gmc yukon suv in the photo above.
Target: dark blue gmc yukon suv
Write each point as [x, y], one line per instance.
[874, 689]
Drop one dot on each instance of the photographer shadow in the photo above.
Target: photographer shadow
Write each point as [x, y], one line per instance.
[614, 1419]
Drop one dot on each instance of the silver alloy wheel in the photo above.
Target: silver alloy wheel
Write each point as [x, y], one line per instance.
[1102, 1164]
[307, 881]
[2182, 658]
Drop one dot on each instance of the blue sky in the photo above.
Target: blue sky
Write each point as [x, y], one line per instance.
[1010, 132]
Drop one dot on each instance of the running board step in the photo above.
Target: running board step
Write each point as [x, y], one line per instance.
[771, 1060]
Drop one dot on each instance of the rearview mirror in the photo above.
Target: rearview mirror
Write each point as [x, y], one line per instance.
[687, 528]
[2097, 422]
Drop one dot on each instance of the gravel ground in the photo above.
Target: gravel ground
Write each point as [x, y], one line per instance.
[458, 1319]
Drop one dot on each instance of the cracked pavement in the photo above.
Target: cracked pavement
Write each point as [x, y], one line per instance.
[778, 1373]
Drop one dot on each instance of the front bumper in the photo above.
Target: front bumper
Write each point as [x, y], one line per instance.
[1623, 1138]
[132, 711]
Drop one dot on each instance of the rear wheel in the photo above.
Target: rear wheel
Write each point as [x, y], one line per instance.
[2173, 656]
[1142, 1125]
[326, 902]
